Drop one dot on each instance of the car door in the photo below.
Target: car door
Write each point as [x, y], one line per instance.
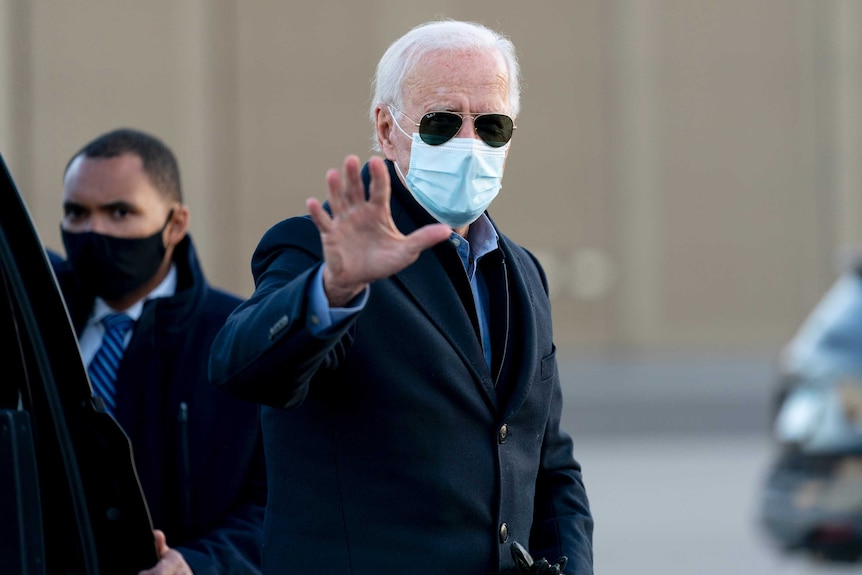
[70, 498]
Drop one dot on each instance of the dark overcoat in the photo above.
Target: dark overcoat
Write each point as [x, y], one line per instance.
[391, 445]
[198, 451]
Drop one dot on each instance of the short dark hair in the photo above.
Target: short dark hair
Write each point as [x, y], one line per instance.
[158, 160]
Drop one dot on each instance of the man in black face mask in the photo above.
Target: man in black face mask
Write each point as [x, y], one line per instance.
[146, 317]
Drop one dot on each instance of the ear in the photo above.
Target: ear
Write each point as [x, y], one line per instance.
[385, 125]
[178, 225]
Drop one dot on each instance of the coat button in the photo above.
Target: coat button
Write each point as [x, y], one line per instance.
[504, 533]
[503, 433]
[279, 325]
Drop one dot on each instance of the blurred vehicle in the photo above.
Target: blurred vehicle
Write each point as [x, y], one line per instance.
[70, 498]
[812, 498]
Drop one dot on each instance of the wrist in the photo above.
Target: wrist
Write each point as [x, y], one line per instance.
[339, 295]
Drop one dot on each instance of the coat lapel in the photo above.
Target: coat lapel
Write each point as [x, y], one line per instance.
[521, 357]
[433, 292]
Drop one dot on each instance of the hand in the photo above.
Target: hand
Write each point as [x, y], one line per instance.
[526, 566]
[171, 561]
[361, 243]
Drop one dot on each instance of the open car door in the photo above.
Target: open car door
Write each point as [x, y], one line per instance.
[70, 498]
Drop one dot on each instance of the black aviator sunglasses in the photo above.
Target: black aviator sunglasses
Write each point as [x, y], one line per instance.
[436, 128]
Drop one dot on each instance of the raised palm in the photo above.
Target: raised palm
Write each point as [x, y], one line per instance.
[361, 243]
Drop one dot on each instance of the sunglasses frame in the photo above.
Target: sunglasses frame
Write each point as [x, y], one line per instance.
[461, 116]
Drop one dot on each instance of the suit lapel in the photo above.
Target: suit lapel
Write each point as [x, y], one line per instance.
[432, 290]
[519, 363]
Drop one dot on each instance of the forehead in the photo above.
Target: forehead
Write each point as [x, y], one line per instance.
[466, 80]
[102, 180]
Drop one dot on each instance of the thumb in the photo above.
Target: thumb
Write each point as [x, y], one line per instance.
[161, 542]
[429, 235]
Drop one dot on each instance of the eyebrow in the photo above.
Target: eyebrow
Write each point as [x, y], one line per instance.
[111, 206]
[69, 206]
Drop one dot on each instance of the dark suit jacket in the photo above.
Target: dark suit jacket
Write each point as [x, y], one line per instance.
[198, 451]
[391, 446]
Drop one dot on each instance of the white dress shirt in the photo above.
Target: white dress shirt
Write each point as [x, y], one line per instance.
[94, 331]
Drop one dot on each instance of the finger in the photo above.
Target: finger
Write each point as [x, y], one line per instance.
[161, 541]
[335, 191]
[428, 236]
[354, 191]
[539, 567]
[521, 556]
[562, 562]
[319, 216]
[380, 187]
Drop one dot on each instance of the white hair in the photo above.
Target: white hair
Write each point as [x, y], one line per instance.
[404, 54]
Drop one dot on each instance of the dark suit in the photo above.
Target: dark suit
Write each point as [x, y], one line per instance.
[198, 451]
[400, 451]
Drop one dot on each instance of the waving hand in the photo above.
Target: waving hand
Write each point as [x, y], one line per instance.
[361, 243]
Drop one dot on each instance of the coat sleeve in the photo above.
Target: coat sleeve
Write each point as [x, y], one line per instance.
[562, 520]
[265, 352]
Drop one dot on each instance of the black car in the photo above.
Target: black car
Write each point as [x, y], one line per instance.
[70, 499]
[812, 498]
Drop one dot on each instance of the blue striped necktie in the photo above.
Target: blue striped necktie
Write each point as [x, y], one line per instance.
[103, 369]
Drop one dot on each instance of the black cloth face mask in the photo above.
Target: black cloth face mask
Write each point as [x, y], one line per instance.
[113, 267]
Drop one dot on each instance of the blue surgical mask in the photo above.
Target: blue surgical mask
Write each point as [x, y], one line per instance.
[456, 181]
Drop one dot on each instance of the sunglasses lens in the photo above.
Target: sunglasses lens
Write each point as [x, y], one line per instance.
[495, 129]
[436, 128]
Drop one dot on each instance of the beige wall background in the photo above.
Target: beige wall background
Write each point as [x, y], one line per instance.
[688, 171]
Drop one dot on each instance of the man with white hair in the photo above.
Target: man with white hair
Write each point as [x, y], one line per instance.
[404, 346]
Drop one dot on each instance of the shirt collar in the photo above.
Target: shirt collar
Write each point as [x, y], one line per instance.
[481, 240]
[482, 237]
